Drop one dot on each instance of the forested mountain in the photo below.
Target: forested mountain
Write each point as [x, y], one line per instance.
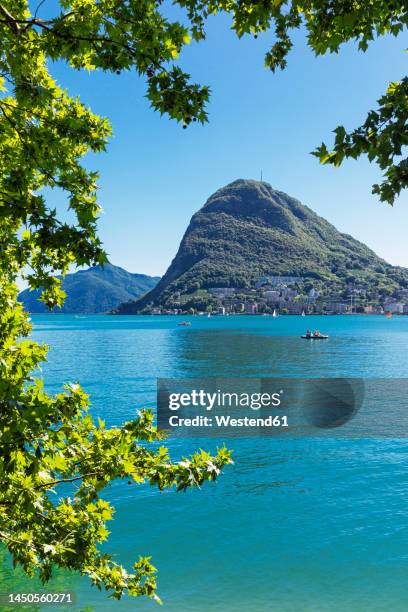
[248, 229]
[96, 290]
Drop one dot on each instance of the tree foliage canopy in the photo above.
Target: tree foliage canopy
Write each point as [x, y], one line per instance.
[44, 134]
[48, 441]
[136, 34]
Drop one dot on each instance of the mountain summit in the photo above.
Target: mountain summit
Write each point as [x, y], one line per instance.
[247, 230]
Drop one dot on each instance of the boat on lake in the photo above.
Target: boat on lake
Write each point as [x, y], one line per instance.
[184, 323]
[314, 336]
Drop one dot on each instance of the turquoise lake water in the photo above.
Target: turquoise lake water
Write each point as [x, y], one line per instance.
[293, 525]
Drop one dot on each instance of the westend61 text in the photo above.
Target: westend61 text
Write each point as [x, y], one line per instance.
[228, 421]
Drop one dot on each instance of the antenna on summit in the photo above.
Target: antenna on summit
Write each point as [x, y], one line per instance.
[261, 176]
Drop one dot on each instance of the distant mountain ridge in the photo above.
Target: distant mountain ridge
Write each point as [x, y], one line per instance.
[246, 230]
[95, 290]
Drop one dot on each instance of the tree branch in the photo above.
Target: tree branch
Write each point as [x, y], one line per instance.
[55, 482]
[4, 536]
[10, 20]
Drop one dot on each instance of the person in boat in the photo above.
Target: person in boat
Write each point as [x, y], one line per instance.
[316, 333]
[308, 333]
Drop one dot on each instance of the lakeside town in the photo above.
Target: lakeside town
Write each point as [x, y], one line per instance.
[288, 295]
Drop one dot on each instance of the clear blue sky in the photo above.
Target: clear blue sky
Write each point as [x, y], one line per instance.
[155, 175]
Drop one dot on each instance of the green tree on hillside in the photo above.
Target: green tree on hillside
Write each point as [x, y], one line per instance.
[44, 133]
